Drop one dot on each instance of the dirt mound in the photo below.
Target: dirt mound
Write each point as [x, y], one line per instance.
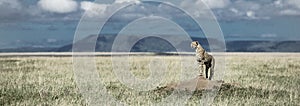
[198, 83]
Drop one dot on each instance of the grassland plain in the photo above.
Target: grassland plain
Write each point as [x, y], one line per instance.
[254, 79]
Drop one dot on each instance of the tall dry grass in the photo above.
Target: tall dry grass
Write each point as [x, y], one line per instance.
[254, 80]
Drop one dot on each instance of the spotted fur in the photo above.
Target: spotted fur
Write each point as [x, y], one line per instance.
[205, 61]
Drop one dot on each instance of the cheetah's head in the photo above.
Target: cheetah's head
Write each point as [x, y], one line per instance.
[194, 44]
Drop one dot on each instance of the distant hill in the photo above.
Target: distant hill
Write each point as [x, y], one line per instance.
[263, 46]
[29, 49]
[155, 44]
[104, 44]
[149, 44]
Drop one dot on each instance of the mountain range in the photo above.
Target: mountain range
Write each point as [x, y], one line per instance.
[155, 44]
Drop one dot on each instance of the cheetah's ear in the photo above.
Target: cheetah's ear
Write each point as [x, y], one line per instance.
[197, 42]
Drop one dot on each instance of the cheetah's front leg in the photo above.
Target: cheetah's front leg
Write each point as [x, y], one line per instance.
[201, 68]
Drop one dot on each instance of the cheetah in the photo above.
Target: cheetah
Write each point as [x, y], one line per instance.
[205, 61]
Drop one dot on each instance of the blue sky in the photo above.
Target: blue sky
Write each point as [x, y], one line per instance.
[36, 20]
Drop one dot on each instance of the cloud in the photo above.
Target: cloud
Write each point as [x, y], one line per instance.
[278, 3]
[269, 35]
[93, 9]
[14, 4]
[249, 10]
[11, 10]
[216, 3]
[127, 1]
[42, 10]
[58, 6]
[227, 9]
[244, 5]
[289, 12]
[295, 3]
[251, 14]
[195, 7]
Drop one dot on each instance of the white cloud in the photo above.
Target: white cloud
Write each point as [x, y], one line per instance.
[295, 3]
[11, 10]
[127, 1]
[202, 8]
[216, 3]
[269, 35]
[58, 6]
[289, 12]
[286, 7]
[234, 10]
[224, 9]
[247, 9]
[198, 7]
[251, 14]
[15, 4]
[278, 3]
[246, 5]
[93, 9]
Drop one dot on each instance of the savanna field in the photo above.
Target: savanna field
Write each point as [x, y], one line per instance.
[250, 79]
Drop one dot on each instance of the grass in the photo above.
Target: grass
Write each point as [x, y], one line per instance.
[249, 80]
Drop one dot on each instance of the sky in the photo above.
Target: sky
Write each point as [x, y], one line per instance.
[54, 20]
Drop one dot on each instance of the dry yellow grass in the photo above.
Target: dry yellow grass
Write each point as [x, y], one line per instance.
[255, 79]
